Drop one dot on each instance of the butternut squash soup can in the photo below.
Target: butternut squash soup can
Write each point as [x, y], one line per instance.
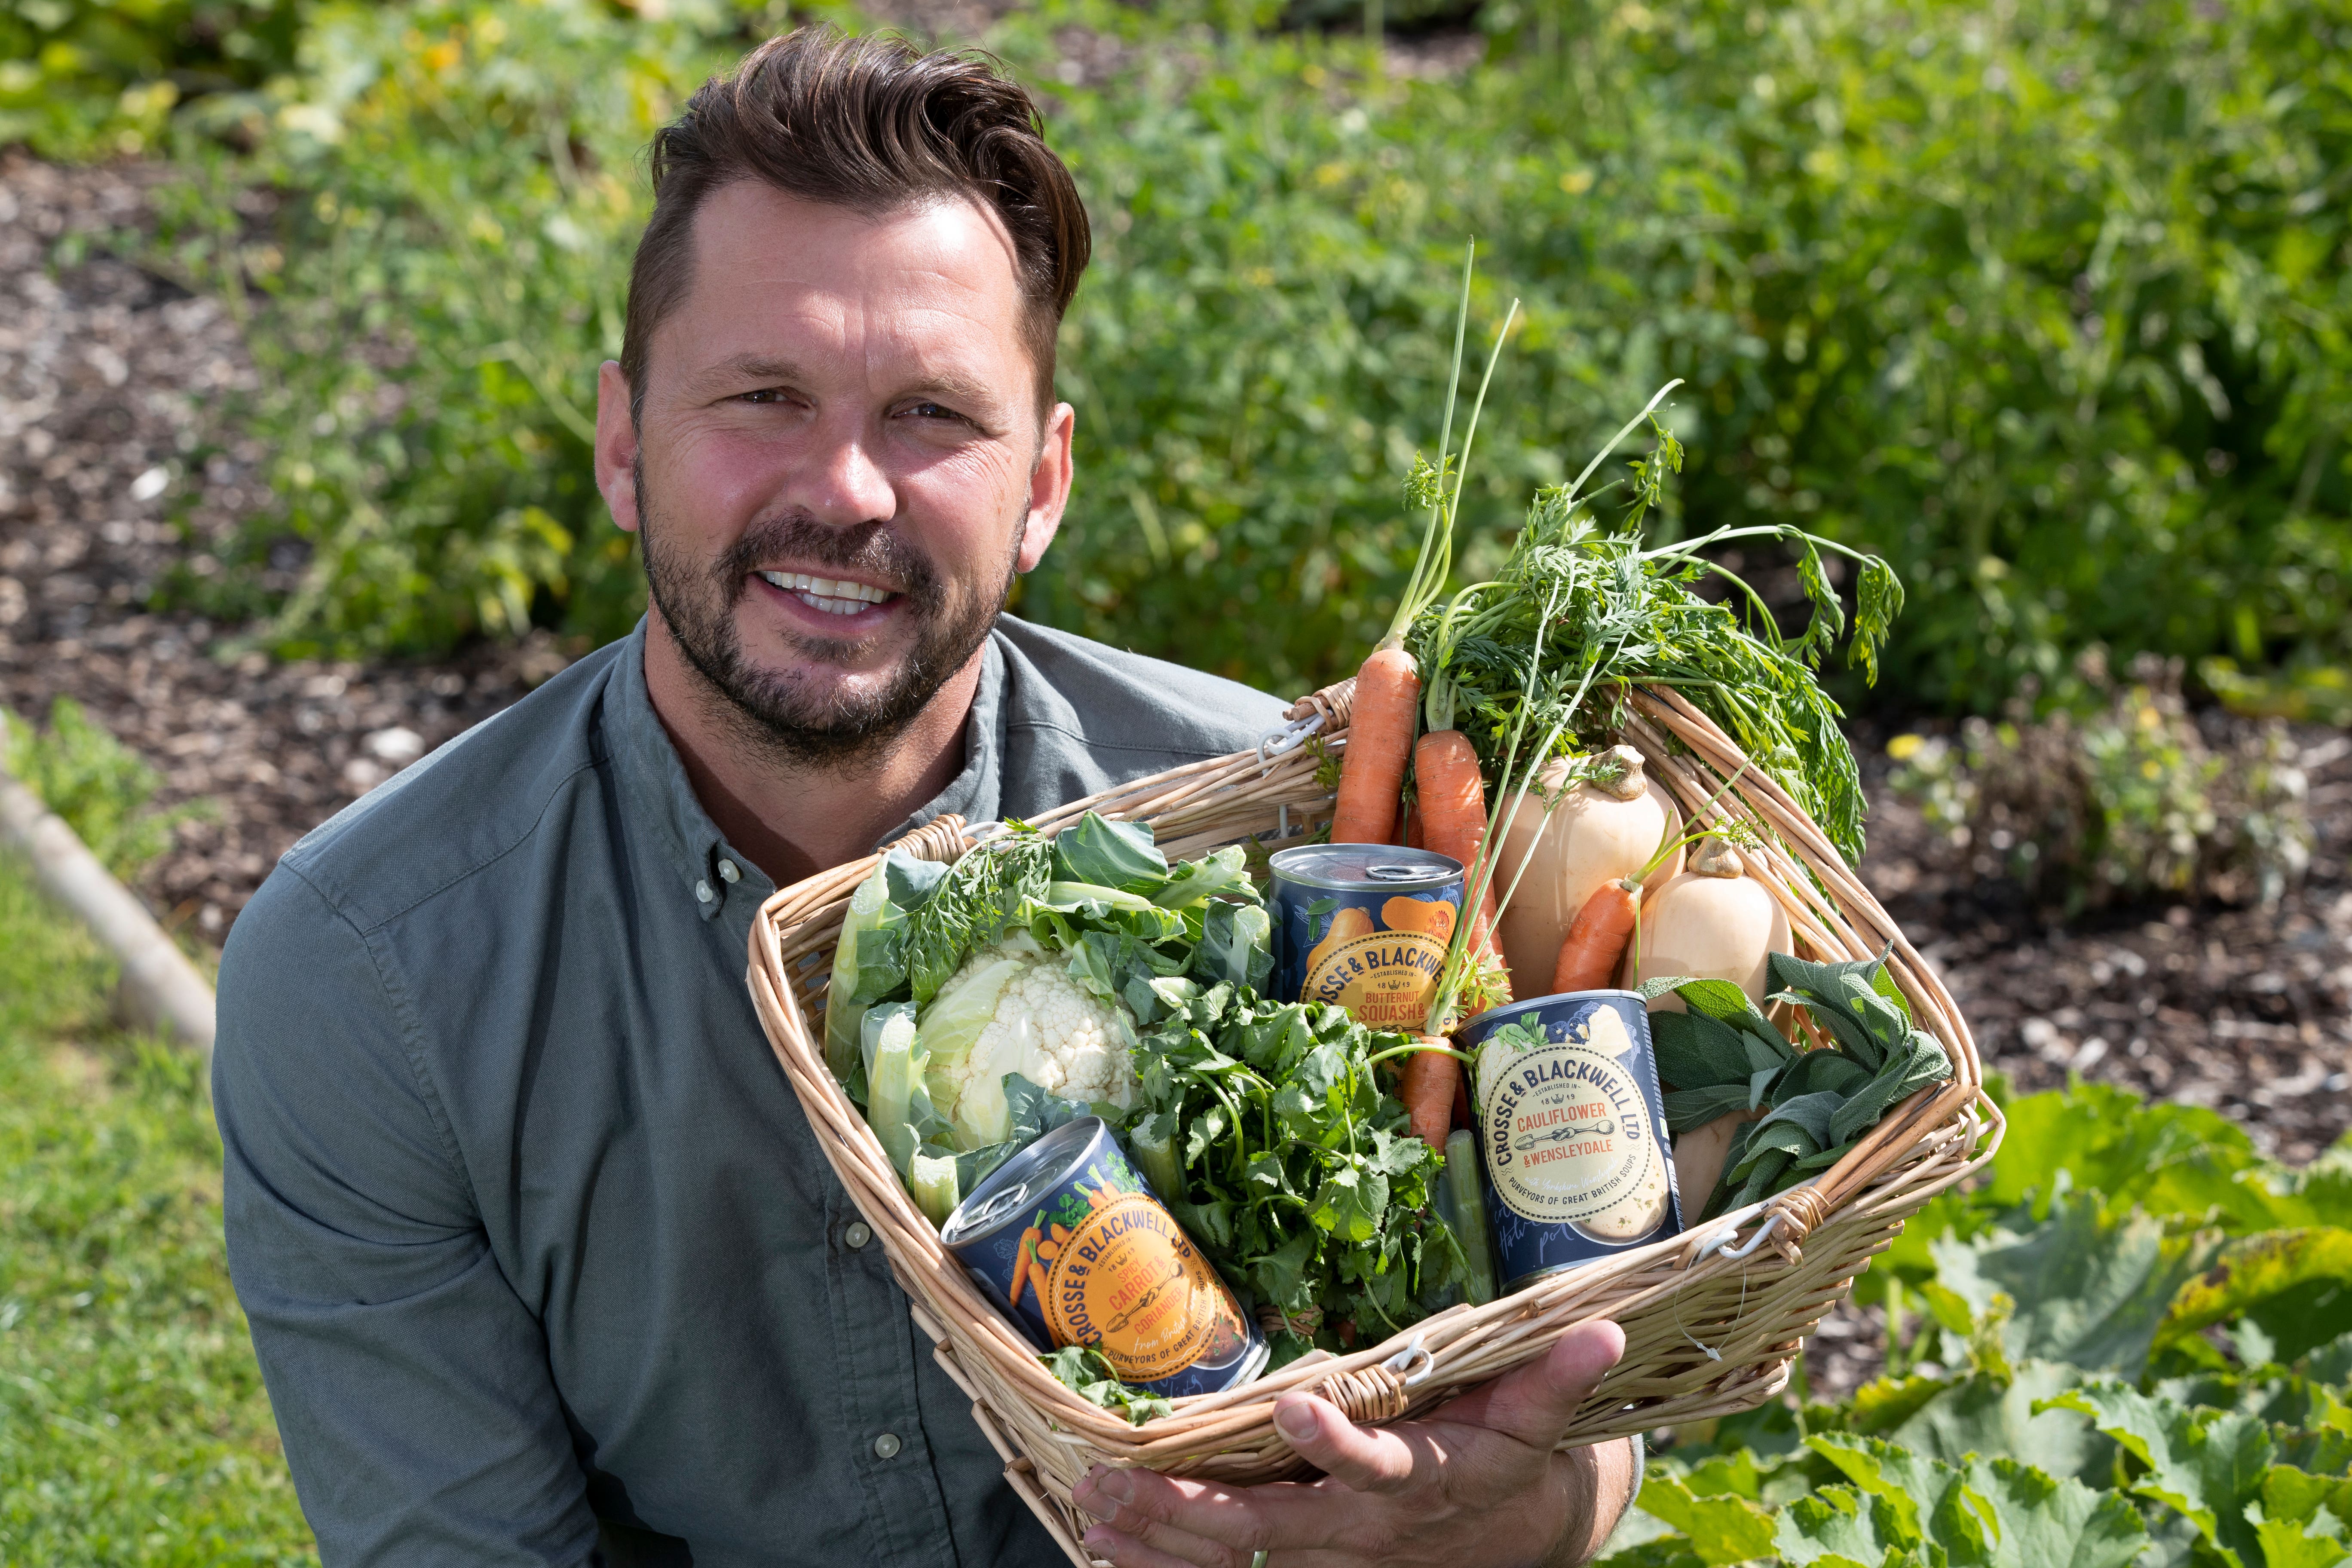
[1572, 1131]
[1067, 1239]
[1364, 927]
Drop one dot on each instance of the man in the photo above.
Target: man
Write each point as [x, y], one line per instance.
[541, 1261]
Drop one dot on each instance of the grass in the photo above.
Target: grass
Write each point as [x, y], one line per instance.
[133, 1424]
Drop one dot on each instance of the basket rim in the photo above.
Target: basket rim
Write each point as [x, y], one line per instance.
[1912, 1145]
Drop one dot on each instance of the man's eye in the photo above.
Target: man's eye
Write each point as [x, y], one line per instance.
[937, 411]
[766, 394]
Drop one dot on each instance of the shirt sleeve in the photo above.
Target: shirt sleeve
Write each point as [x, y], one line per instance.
[411, 1385]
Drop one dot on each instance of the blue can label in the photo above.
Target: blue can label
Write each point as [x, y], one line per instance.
[1364, 928]
[1571, 1131]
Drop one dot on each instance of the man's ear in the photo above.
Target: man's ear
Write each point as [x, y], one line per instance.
[617, 446]
[1049, 486]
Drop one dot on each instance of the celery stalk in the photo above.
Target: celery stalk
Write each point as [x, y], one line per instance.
[1470, 1215]
[869, 907]
[932, 1181]
[1155, 1151]
[894, 1069]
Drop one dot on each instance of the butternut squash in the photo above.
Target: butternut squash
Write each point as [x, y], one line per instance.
[1712, 922]
[1592, 834]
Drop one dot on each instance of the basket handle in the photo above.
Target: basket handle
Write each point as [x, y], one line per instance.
[1372, 1395]
[1793, 1215]
[941, 839]
[1318, 713]
[1333, 704]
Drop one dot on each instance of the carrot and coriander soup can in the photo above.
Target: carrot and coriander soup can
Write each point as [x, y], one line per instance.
[1364, 927]
[1572, 1131]
[1067, 1239]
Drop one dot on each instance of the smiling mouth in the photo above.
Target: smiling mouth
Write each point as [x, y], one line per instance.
[835, 597]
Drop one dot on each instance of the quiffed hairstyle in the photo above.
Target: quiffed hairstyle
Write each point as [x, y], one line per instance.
[873, 124]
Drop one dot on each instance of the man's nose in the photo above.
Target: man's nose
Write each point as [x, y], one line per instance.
[843, 485]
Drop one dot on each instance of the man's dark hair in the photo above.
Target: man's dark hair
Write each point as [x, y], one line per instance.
[872, 124]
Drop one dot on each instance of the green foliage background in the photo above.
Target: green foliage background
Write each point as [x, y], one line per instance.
[2045, 300]
[2128, 1344]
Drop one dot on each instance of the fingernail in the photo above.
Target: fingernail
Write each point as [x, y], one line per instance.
[1297, 1421]
[1117, 1485]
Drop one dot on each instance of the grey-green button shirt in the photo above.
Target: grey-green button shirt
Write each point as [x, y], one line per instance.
[541, 1261]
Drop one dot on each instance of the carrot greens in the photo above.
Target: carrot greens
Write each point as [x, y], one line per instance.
[1537, 662]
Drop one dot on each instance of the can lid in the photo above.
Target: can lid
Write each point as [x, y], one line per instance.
[1386, 865]
[1025, 1178]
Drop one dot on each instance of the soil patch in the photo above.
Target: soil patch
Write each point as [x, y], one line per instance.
[115, 467]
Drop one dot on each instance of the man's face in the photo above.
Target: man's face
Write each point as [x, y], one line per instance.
[839, 464]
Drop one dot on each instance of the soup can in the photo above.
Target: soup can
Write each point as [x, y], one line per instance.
[1572, 1131]
[1066, 1239]
[1364, 927]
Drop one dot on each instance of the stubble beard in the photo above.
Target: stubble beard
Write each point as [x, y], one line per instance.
[779, 714]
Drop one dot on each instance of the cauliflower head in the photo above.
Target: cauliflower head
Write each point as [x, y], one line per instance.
[1015, 1007]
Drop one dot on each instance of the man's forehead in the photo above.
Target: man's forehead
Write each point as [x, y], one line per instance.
[762, 258]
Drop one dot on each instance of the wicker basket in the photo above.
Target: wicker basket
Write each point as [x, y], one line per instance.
[1712, 1318]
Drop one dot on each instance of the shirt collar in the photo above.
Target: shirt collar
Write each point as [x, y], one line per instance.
[712, 877]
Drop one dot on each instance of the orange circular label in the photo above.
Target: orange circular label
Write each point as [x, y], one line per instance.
[1129, 1283]
[1386, 978]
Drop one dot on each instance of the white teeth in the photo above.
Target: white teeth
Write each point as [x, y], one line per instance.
[834, 597]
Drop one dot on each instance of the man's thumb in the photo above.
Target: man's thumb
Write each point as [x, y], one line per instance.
[1535, 1403]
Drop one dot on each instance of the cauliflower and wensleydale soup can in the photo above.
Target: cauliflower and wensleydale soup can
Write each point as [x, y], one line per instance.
[1572, 1131]
[1364, 927]
[1067, 1239]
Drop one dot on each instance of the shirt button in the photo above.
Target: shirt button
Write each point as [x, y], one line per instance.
[702, 891]
[858, 1236]
[730, 872]
[885, 1446]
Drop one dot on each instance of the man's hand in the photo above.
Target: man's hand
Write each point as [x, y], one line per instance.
[1475, 1481]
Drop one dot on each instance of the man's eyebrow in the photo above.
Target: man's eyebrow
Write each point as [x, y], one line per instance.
[752, 367]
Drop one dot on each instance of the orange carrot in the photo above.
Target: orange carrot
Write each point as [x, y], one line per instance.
[1452, 804]
[1380, 736]
[1596, 939]
[1426, 1087]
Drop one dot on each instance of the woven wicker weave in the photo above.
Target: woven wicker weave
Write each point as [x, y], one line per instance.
[1712, 1318]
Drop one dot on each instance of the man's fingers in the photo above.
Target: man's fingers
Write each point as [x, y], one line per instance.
[1125, 1551]
[1194, 1521]
[1535, 1403]
[1364, 1459]
[1280, 1517]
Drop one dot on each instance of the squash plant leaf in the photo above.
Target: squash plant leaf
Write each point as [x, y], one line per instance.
[1837, 1527]
[1931, 1502]
[1722, 1531]
[2204, 1464]
[2296, 1285]
[2092, 1287]
[2047, 1521]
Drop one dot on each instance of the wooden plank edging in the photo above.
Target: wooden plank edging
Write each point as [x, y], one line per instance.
[161, 988]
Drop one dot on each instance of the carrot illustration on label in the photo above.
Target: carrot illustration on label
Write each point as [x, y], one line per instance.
[1022, 1263]
[1037, 1250]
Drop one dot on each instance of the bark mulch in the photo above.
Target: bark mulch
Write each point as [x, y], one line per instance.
[115, 470]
